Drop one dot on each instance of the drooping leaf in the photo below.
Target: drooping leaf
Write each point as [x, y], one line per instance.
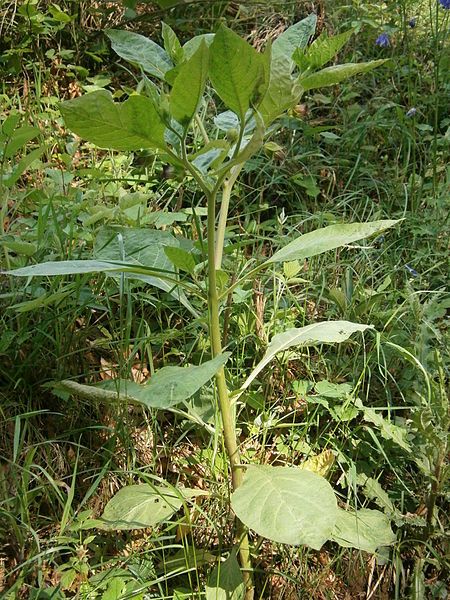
[172, 44]
[363, 529]
[140, 51]
[129, 125]
[336, 74]
[328, 238]
[189, 85]
[140, 506]
[236, 71]
[170, 386]
[321, 51]
[286, 505]
[296, 36]
[319, 463]
[226, 581]
[325, 332]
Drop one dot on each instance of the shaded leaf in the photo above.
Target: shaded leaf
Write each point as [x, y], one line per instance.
[189, 86]
[226, 581]
[321, 51]
[141, 51]
[286, 505]
[171, 43]
[296, 36]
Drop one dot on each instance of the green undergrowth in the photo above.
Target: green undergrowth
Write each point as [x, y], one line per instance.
[370, 415]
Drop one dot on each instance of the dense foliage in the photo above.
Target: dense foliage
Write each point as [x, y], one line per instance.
[166, 368]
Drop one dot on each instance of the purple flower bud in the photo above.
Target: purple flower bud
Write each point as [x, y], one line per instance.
[383, 40]
[445, 4]
[412, 271]
[412, 23]
[411, 112]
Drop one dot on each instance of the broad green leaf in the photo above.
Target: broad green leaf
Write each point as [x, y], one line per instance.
[170, 386]
[141, 51]
[226, 581]
[296, 36]
[172, 44]
[282, 94]
[236, 71]
[9, 124]
[325, 332]
[129, 125]
[328, 238]
[19, 138]
[146, 248]
[180, 258]
[189, 85]
[192, 45]
[363, 529]
[286, 505]
[140, 506]
[336, 74]
[321, 51]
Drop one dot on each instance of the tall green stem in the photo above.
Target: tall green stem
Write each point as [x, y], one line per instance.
[228, 418]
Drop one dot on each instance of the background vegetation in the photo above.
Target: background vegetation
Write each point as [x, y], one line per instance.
[372, 148]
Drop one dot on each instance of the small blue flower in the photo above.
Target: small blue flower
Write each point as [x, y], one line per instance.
[383, 40]
[411, 271]
[412, 23]
[411, 112]
[445, 4]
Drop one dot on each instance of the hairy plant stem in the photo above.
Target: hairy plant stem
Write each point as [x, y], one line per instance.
[228, 418]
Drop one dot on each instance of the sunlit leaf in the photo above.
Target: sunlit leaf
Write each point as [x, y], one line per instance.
[363, 529]
[129, 125]
[140, 51]
[286, 505]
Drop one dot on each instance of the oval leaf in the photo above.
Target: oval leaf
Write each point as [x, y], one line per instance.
[140, 506]
[286, 505]
[226, 581]
[189, 86]
[328, 238]
[363, 529]
[141, 51]
[129, 125]
[236, 71]
[296, 36]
